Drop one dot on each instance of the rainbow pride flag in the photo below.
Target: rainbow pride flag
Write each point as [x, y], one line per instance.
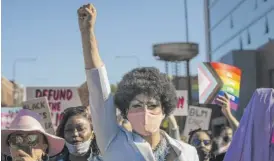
[217, 79]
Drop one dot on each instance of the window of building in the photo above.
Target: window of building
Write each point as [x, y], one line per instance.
[248, 37]
[231, 45]
[231, 21]
[266, 31]
[271, 24]
[240, 43]
[257, 32]
[256, 4]
[220, 34]
[242, 14]
[221, 10]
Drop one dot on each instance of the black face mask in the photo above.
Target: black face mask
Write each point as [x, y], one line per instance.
[227, 139]
[203, 153]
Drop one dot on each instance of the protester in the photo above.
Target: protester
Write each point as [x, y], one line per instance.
[202, 141]
[226, 138]
[26, 140]
[223, 141]
[254, 139]
[224, 102]
[76, 129]
[144, 97]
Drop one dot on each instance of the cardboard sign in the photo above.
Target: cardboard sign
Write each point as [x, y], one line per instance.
[198, 117]
[59, 99]
[41, 106]
[182, 104]
[7, 115]
[216, 79]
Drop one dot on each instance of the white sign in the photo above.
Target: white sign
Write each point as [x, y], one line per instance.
[7, 115]
[198, 117]
[59, 99]
[41, 106]
[182, 104]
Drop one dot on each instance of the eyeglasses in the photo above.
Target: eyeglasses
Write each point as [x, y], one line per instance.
[197, 142]
[17, 140]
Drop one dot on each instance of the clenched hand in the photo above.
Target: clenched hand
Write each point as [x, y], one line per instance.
[86, 17]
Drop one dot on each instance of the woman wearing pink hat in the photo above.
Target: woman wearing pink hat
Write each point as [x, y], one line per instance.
[26, 139]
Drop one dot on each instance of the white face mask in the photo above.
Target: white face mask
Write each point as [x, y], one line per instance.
[79, 149]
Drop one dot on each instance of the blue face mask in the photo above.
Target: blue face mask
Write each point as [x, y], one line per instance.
[79, 149]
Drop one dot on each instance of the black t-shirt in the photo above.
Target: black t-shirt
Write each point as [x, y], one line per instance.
[219, 157]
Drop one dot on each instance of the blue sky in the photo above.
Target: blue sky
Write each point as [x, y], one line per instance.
[48, 31]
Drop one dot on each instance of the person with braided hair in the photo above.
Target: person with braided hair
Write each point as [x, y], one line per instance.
[202, 141]
[77, 130]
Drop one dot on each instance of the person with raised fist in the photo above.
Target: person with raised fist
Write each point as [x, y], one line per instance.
[144, 96]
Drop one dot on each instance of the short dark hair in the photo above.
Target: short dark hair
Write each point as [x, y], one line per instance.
[74, 111]
[149, 81]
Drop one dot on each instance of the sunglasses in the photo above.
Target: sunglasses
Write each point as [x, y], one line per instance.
[197, 142]
[19, 140]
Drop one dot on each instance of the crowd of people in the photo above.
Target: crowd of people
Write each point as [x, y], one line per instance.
[144, 97]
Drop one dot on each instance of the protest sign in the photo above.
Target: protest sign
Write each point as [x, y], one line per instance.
[59, 99]
[41, 106]
[182, 104]
[216, 79]
[198, 117]
[7, 115]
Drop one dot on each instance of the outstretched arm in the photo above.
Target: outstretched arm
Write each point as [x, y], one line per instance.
[101, 103]
[224, 102]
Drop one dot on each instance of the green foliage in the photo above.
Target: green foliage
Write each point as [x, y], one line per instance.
[113, 88]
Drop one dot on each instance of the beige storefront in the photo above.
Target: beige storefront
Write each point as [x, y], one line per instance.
[6, 92]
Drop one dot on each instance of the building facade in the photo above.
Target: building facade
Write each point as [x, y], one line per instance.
[237, 24]
[7, 95]
[241, 33]
[257, 71]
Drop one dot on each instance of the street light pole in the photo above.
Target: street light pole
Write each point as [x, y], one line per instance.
[130, 57]
[186, 20]
[188, 60]
[14, 74]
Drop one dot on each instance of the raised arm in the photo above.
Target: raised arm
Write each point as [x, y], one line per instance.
[86, 19]
[224, 102]
[175, 133]
[101, 103]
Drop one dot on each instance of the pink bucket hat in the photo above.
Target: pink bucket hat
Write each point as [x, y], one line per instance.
[27, 120]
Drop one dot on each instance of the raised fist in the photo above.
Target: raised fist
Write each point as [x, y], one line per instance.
[86, 17]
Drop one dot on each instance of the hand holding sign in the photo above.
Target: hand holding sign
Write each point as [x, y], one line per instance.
[86, 17]
[215, 79]
[224, 102]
